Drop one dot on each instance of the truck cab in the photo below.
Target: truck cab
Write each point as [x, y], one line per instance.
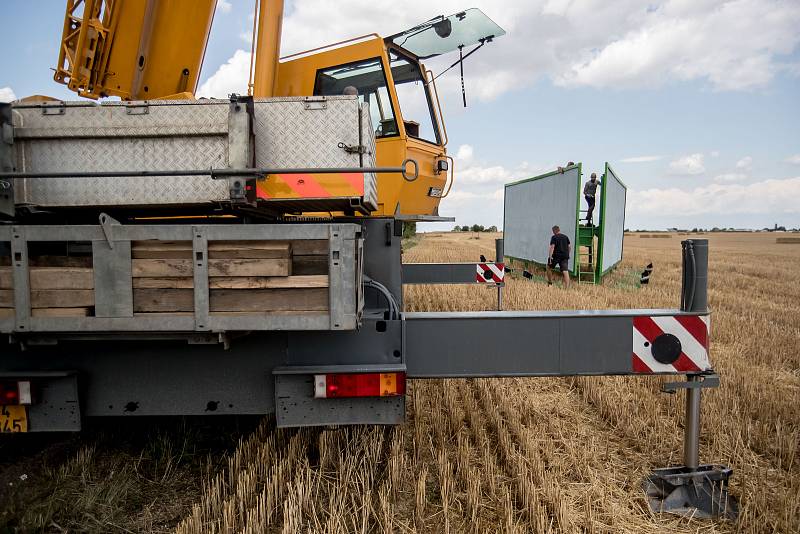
[404, 104]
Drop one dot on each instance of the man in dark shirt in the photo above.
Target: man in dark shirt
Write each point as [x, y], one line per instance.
[589, 192]
[559, 255]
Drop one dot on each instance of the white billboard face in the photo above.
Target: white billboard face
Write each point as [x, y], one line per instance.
[533, 207]
[613, 219]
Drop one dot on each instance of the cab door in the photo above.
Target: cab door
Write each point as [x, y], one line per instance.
[421, 134]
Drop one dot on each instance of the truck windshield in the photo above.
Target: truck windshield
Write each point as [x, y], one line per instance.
[365, 78]
[414, 99]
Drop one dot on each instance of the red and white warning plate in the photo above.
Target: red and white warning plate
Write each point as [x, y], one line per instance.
[671, 344]
[490, 273]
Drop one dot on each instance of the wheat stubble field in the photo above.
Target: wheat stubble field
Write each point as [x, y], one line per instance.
[548, 455]
[489, 455]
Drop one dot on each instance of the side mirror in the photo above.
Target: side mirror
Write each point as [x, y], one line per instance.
[443, 28]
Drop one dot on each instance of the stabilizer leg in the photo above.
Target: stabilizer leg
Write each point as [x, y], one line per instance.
[692, 489]
[701, 492]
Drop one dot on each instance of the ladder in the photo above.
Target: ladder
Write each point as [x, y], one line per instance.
[587, 268]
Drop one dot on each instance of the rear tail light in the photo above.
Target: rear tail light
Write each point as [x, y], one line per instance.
[13, 392]
[359, 385]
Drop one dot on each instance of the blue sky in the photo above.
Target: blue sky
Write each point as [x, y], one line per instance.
[695, 103]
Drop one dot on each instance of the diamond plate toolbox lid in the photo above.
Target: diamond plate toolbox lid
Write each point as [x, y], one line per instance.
[330, 131]
[193, 134]
[121, 136]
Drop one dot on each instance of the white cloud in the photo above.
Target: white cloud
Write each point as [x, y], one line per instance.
[641, 159]
[7, 95]
[461, 196]
[688, 165]
[246, 36]
[471, 172]
[230, 78]
[744, 163]
[224, 6]
[730, 177]
[791, 159]
[766, 197]
[464, 153]
[478, 193]
[729, 44]
[715, 153]
[735, 45]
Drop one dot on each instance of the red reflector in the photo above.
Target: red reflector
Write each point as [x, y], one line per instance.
[359, 385]
[9, 393]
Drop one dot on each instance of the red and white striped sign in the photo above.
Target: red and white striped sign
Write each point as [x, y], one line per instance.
[692, 332]
[490, 273]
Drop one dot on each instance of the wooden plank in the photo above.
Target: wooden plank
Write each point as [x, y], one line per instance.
[216, 250]
[5, 313]
[232, 314]
[163, 283]
[235, 282]
[62, 298]
[256, 300]
[164, 314]
[52, 278]
[310, 247]
[163, 300]
[309, 265]
[60, 312]
[171, 268]
[60, 261]
[223, 300]
[6, 298]
[268, 282]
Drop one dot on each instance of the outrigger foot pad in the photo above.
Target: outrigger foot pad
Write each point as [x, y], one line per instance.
[700, 493]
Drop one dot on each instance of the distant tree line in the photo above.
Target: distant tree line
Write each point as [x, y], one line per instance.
[474, 228]
[776, 228]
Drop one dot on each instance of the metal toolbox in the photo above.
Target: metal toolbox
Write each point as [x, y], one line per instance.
[279, 133]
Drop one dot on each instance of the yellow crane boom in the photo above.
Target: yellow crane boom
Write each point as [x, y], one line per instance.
[136, 50]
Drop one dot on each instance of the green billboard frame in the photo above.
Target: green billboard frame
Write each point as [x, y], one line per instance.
[600, 230]
[599, 272]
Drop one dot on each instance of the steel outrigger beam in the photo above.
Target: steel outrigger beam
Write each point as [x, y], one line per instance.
[599, 343]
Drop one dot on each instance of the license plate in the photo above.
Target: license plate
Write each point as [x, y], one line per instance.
[13, 419]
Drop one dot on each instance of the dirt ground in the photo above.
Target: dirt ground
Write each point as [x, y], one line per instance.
[476, 455]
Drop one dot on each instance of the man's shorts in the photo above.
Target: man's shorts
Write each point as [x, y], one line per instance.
[562, 264]
[589, 200]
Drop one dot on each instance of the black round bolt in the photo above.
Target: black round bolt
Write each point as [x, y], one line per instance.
[666, 348]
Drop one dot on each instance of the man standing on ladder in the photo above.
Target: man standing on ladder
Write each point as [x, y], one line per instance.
[589, 191]
[559, 255]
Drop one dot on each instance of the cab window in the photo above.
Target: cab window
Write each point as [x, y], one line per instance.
[413, 97]
[365, 78]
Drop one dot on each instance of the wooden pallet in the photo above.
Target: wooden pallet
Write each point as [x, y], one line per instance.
[244, 276]
[55, 291]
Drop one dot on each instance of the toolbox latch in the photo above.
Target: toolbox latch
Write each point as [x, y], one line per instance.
[54, 108]
[137, 109]
[315, 102]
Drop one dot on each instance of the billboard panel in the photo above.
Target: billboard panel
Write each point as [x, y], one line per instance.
[533, 206]
[612, 220]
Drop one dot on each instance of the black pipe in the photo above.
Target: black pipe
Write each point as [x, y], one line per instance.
[694, 280]
[217, 173]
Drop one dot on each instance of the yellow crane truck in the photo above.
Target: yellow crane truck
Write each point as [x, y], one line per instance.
[167, 255]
